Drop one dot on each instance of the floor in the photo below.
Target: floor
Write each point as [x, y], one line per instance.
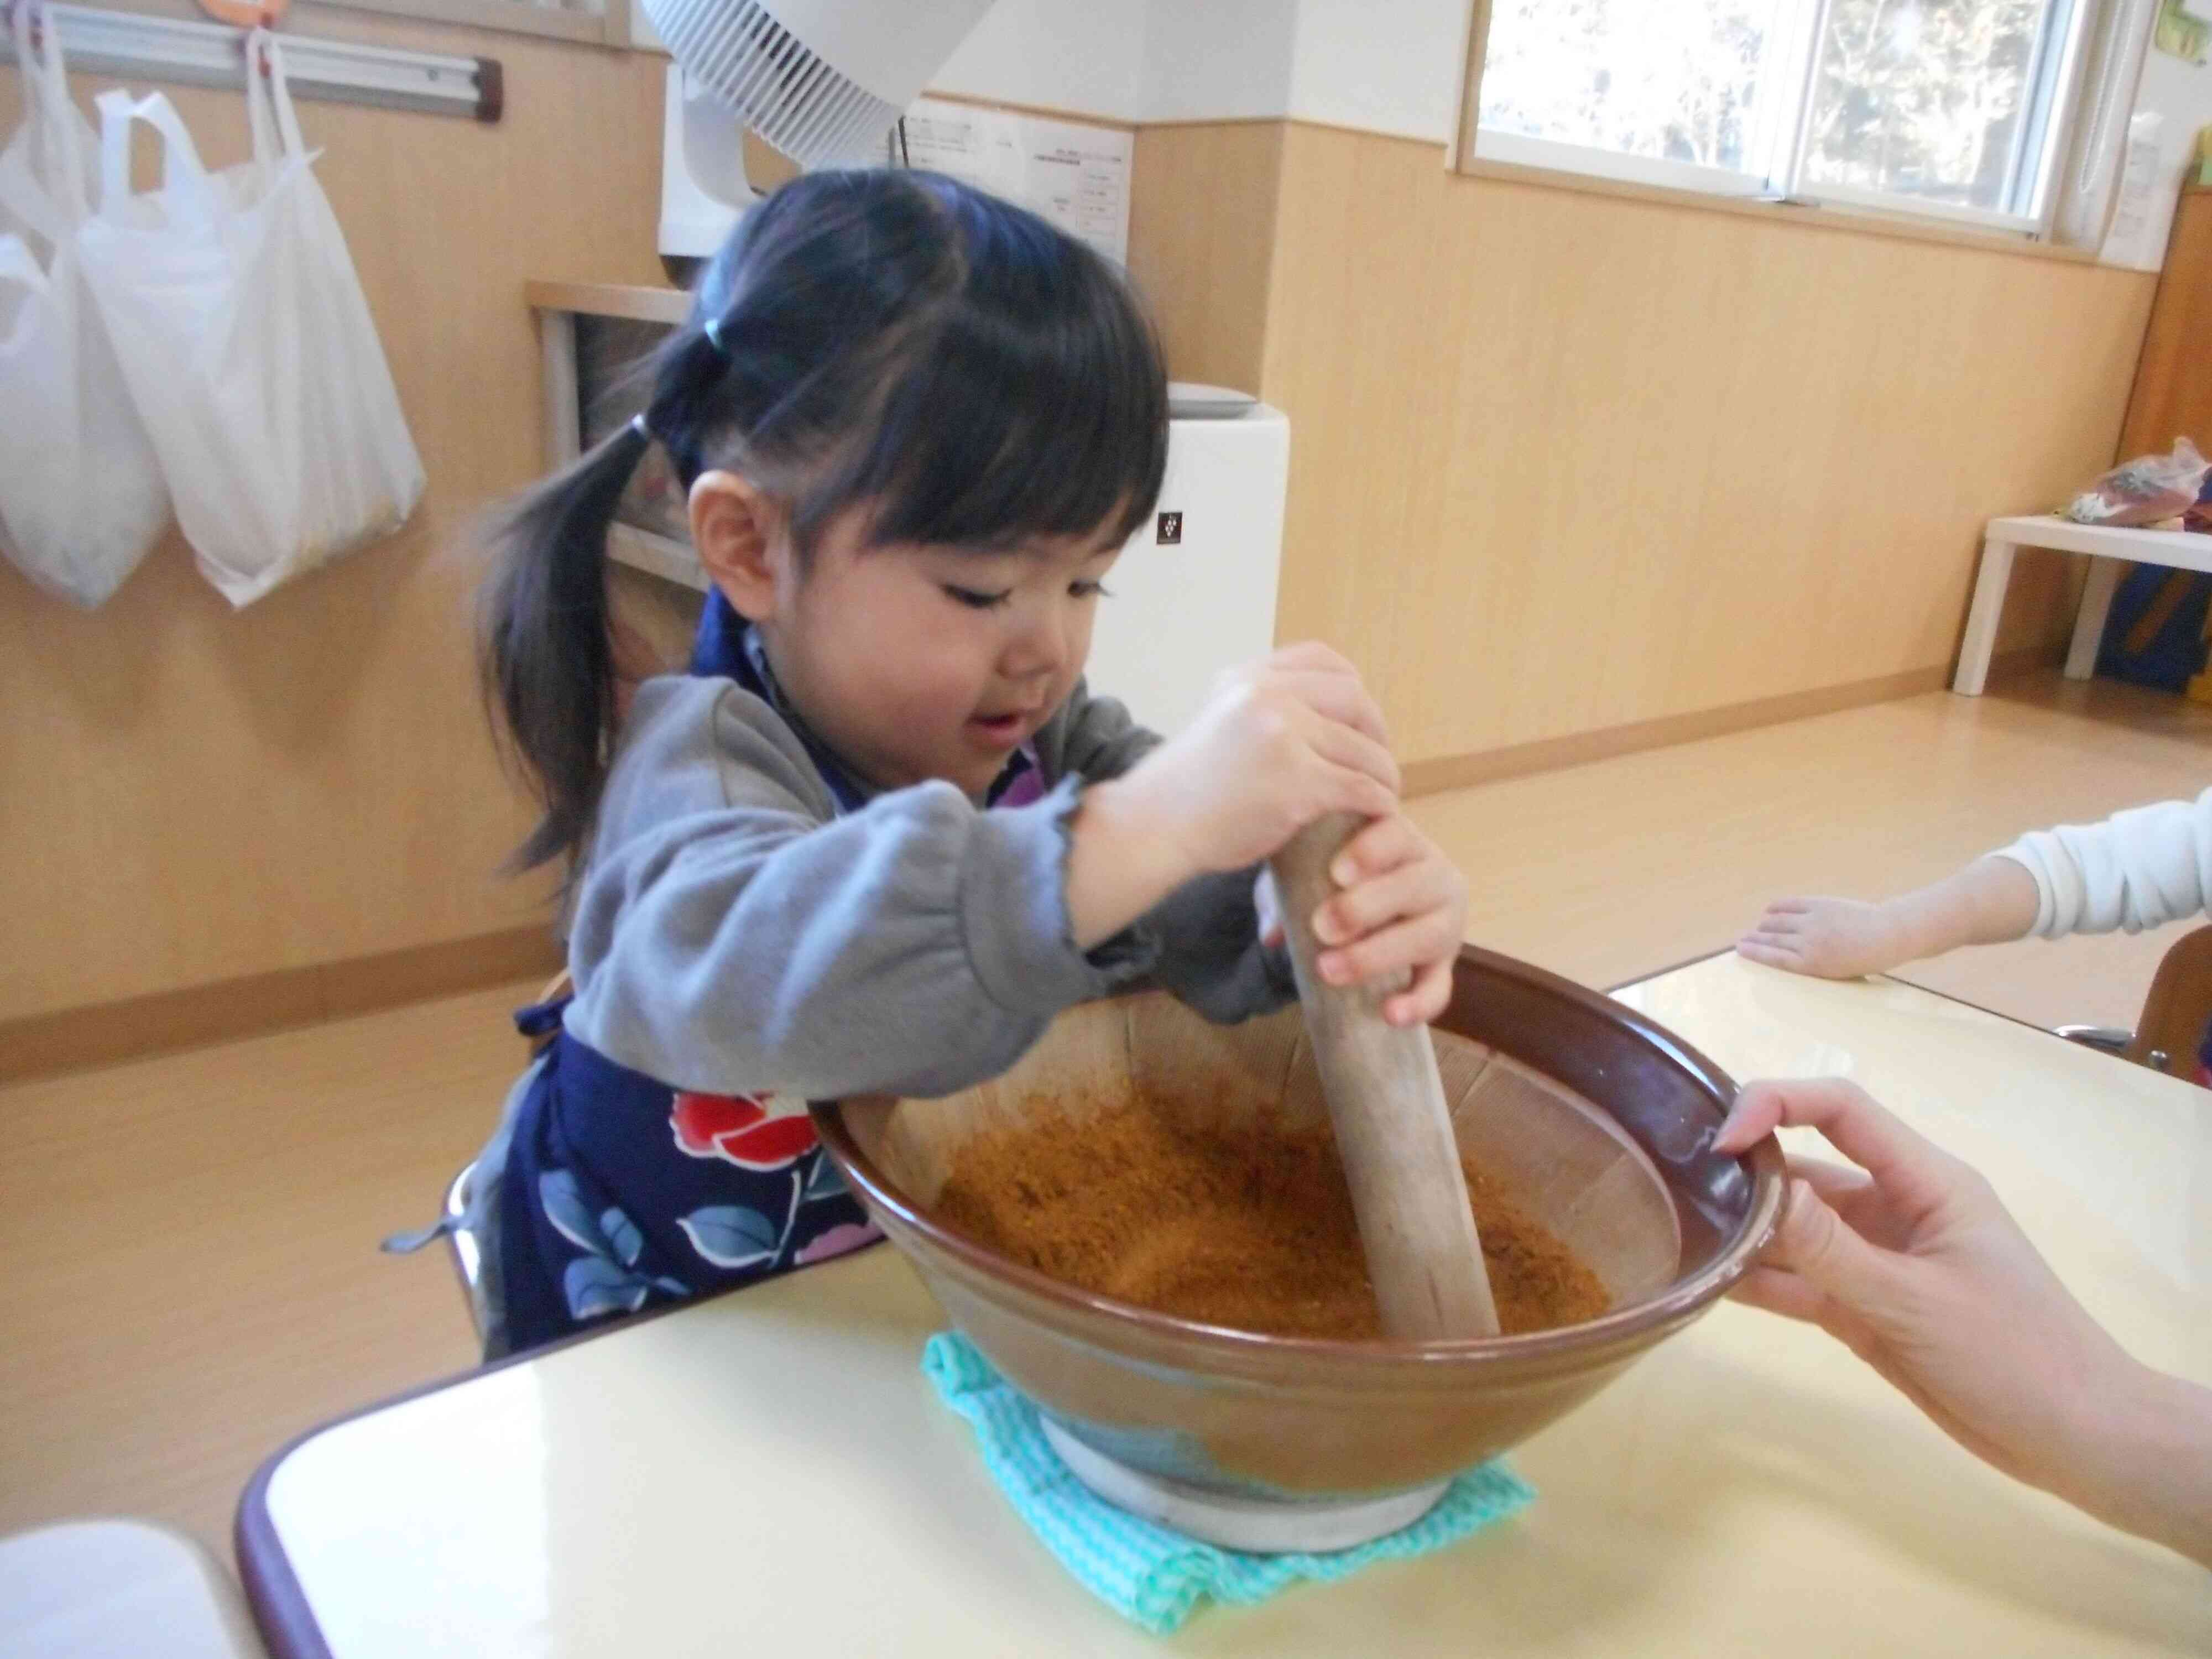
[1608, 872]
[192, 1271]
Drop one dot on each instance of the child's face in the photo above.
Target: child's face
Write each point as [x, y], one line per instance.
[915, 662]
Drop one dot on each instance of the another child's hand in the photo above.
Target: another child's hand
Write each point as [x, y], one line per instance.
[1401, 909]
[1828, 937]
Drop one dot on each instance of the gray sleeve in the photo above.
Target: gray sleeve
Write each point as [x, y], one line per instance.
[1204, 936]
[1093, 737]
[752, 941]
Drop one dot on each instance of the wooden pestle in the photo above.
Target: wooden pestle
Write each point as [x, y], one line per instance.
[1393, 1130]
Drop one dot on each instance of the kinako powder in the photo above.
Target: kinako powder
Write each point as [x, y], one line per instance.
[1250, 1228]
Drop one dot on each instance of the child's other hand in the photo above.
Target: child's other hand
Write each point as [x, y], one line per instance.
[1401, 909]
[1828, 937]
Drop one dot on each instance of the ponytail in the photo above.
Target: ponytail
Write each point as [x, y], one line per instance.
[545, 649]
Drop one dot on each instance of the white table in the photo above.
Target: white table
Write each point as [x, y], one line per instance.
[2110, 551]
[768, 1473]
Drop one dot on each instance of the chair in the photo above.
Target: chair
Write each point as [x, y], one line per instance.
[461, 1237]
[2175, 1013]
[467, 1249]
[2177, 1009]
[452, 1221]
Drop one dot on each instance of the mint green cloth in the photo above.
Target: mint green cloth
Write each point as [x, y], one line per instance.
[1147, 1573]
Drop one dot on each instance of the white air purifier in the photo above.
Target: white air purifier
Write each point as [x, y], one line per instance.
[1193, 592]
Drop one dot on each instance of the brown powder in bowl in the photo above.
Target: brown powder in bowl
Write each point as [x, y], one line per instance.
[1249, 1228]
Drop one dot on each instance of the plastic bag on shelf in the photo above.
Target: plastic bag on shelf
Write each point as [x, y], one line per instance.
[2147, 490]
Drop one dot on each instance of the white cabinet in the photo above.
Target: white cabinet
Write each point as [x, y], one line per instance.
[1195, 592]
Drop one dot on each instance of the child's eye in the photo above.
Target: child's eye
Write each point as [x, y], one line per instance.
[1090, 591]
[975, 601]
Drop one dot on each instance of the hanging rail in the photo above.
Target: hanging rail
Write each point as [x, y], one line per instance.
[210, 55]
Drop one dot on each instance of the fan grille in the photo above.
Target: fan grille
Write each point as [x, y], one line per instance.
[778, 88]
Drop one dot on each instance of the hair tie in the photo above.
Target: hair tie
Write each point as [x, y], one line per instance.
[713, 332]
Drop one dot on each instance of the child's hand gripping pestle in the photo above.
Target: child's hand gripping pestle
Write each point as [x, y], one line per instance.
[1393, 1131]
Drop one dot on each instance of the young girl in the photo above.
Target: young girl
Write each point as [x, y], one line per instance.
[881, 833]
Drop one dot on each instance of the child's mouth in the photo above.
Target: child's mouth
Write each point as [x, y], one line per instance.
[1001, 728]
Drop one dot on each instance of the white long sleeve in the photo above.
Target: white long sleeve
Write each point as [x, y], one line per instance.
[2138, 869]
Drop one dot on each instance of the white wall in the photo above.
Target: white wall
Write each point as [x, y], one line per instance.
[1132, 60]
[1379, 65]
[1082, 55]
[1219, 59]
[2182, 93]
[1384, 66]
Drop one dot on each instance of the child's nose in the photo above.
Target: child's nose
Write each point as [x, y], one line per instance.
[1038, 647]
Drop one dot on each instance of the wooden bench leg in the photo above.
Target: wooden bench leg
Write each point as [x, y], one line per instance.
[1981, 642]
[2089, 622]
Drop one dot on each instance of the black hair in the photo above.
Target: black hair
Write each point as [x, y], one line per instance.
[889, 340]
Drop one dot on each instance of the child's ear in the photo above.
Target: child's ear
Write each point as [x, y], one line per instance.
[735, 526]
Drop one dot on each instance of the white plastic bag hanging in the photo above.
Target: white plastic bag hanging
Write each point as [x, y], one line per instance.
[242, 330]
[82, 498]
[46, 172]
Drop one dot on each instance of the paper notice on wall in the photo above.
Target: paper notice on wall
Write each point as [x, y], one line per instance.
[1070, 174]
[2140, 216]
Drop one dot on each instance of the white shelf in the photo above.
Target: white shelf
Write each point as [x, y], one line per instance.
[658, 556]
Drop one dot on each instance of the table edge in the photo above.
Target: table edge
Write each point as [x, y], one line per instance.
[272, 1590]
[1982, 1008]
[1895, 977]
[1696, 961]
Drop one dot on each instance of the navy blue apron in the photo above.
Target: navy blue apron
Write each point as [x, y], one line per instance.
[621, 1192]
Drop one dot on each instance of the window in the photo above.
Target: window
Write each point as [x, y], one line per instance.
[1951, 109]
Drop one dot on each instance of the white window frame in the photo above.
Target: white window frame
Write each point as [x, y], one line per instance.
[2065, 117]
[1518, 149]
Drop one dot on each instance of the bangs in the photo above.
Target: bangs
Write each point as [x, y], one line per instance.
[1031, 404]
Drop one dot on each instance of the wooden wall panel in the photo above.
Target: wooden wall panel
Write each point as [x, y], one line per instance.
[191, 795]
[1201, 239]
[2173, 393]
[1564, 462]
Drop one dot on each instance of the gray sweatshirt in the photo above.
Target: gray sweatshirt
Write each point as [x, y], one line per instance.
[733, 934]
